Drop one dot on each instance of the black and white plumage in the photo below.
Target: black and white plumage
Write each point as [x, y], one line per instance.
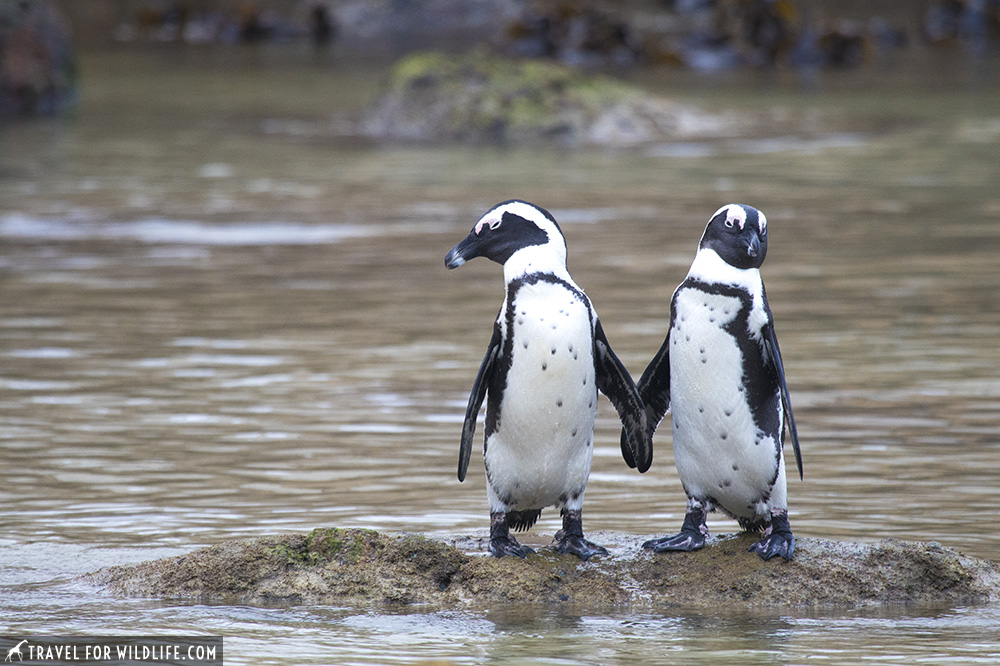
[543, 368]
[719, 372]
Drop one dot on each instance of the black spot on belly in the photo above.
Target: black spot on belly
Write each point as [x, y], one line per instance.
[545, 366]
[571, 346]
[559, 402]
[525, 344]
[724, 435]
[553, 350]
[736, 467]
[725, 483]
[573, 433]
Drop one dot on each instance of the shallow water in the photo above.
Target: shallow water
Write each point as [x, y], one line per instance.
[218, 321]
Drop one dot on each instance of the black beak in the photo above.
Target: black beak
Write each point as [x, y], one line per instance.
[753, 249]
[461, 253]
[454, 258]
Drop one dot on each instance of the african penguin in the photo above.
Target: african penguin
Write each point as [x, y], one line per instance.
[543, 368]
[720, 374]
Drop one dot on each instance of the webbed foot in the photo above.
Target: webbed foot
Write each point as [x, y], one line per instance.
[683, 541]
[570, 538]
[578, 546]
[501, 541]
[508, 546]
[778, 539]
[691, 537]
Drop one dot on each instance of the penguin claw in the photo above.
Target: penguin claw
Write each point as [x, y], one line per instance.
[578, 546]
[776, 543]
[508, 546]
[684, 541]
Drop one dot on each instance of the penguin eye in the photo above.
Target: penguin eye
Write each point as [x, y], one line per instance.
[729, 223]
[494, 225]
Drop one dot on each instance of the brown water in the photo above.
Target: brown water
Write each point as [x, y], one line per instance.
[217, 321]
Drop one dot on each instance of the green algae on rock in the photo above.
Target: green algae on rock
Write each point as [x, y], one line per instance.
[356, 566]
[487, 99]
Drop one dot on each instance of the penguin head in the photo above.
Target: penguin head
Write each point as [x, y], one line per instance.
[521, 236]
[738, 234]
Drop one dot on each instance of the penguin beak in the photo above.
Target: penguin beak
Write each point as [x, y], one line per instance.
[461, 253]
[753, 248]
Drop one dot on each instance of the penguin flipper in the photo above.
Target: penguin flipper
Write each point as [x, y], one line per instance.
[774, 355]
[476, 401]
[614, 381]
[654, 386]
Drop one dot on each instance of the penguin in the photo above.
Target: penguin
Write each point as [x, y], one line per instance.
[544, 365]
[720, 373]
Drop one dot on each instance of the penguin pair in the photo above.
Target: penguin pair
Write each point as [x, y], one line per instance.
[719, 371]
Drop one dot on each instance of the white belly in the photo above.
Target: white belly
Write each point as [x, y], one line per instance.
[541, 452]
[719, 452]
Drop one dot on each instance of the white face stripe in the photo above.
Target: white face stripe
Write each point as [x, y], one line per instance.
[736, 214]
[494, 218]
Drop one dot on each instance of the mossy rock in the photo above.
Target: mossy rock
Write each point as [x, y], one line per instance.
[356, 566]
[483, 98]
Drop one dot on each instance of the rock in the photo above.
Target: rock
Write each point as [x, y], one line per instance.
[37, 64]
[354, 566]
[479, 98]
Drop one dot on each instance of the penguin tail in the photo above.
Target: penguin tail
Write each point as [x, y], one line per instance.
[520, 521]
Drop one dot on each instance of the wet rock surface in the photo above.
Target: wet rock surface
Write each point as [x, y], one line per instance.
[355, 566]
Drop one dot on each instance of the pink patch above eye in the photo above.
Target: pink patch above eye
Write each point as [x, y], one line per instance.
[492, 222]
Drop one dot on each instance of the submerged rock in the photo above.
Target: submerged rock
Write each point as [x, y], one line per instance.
[480, 98]
[332, 565]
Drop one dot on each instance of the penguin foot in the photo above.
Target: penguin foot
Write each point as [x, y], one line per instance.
[570, 538]
[778, 540]
[501, 541]
[577, 545]
[509, 546]
[691, 537]
[684, 541]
